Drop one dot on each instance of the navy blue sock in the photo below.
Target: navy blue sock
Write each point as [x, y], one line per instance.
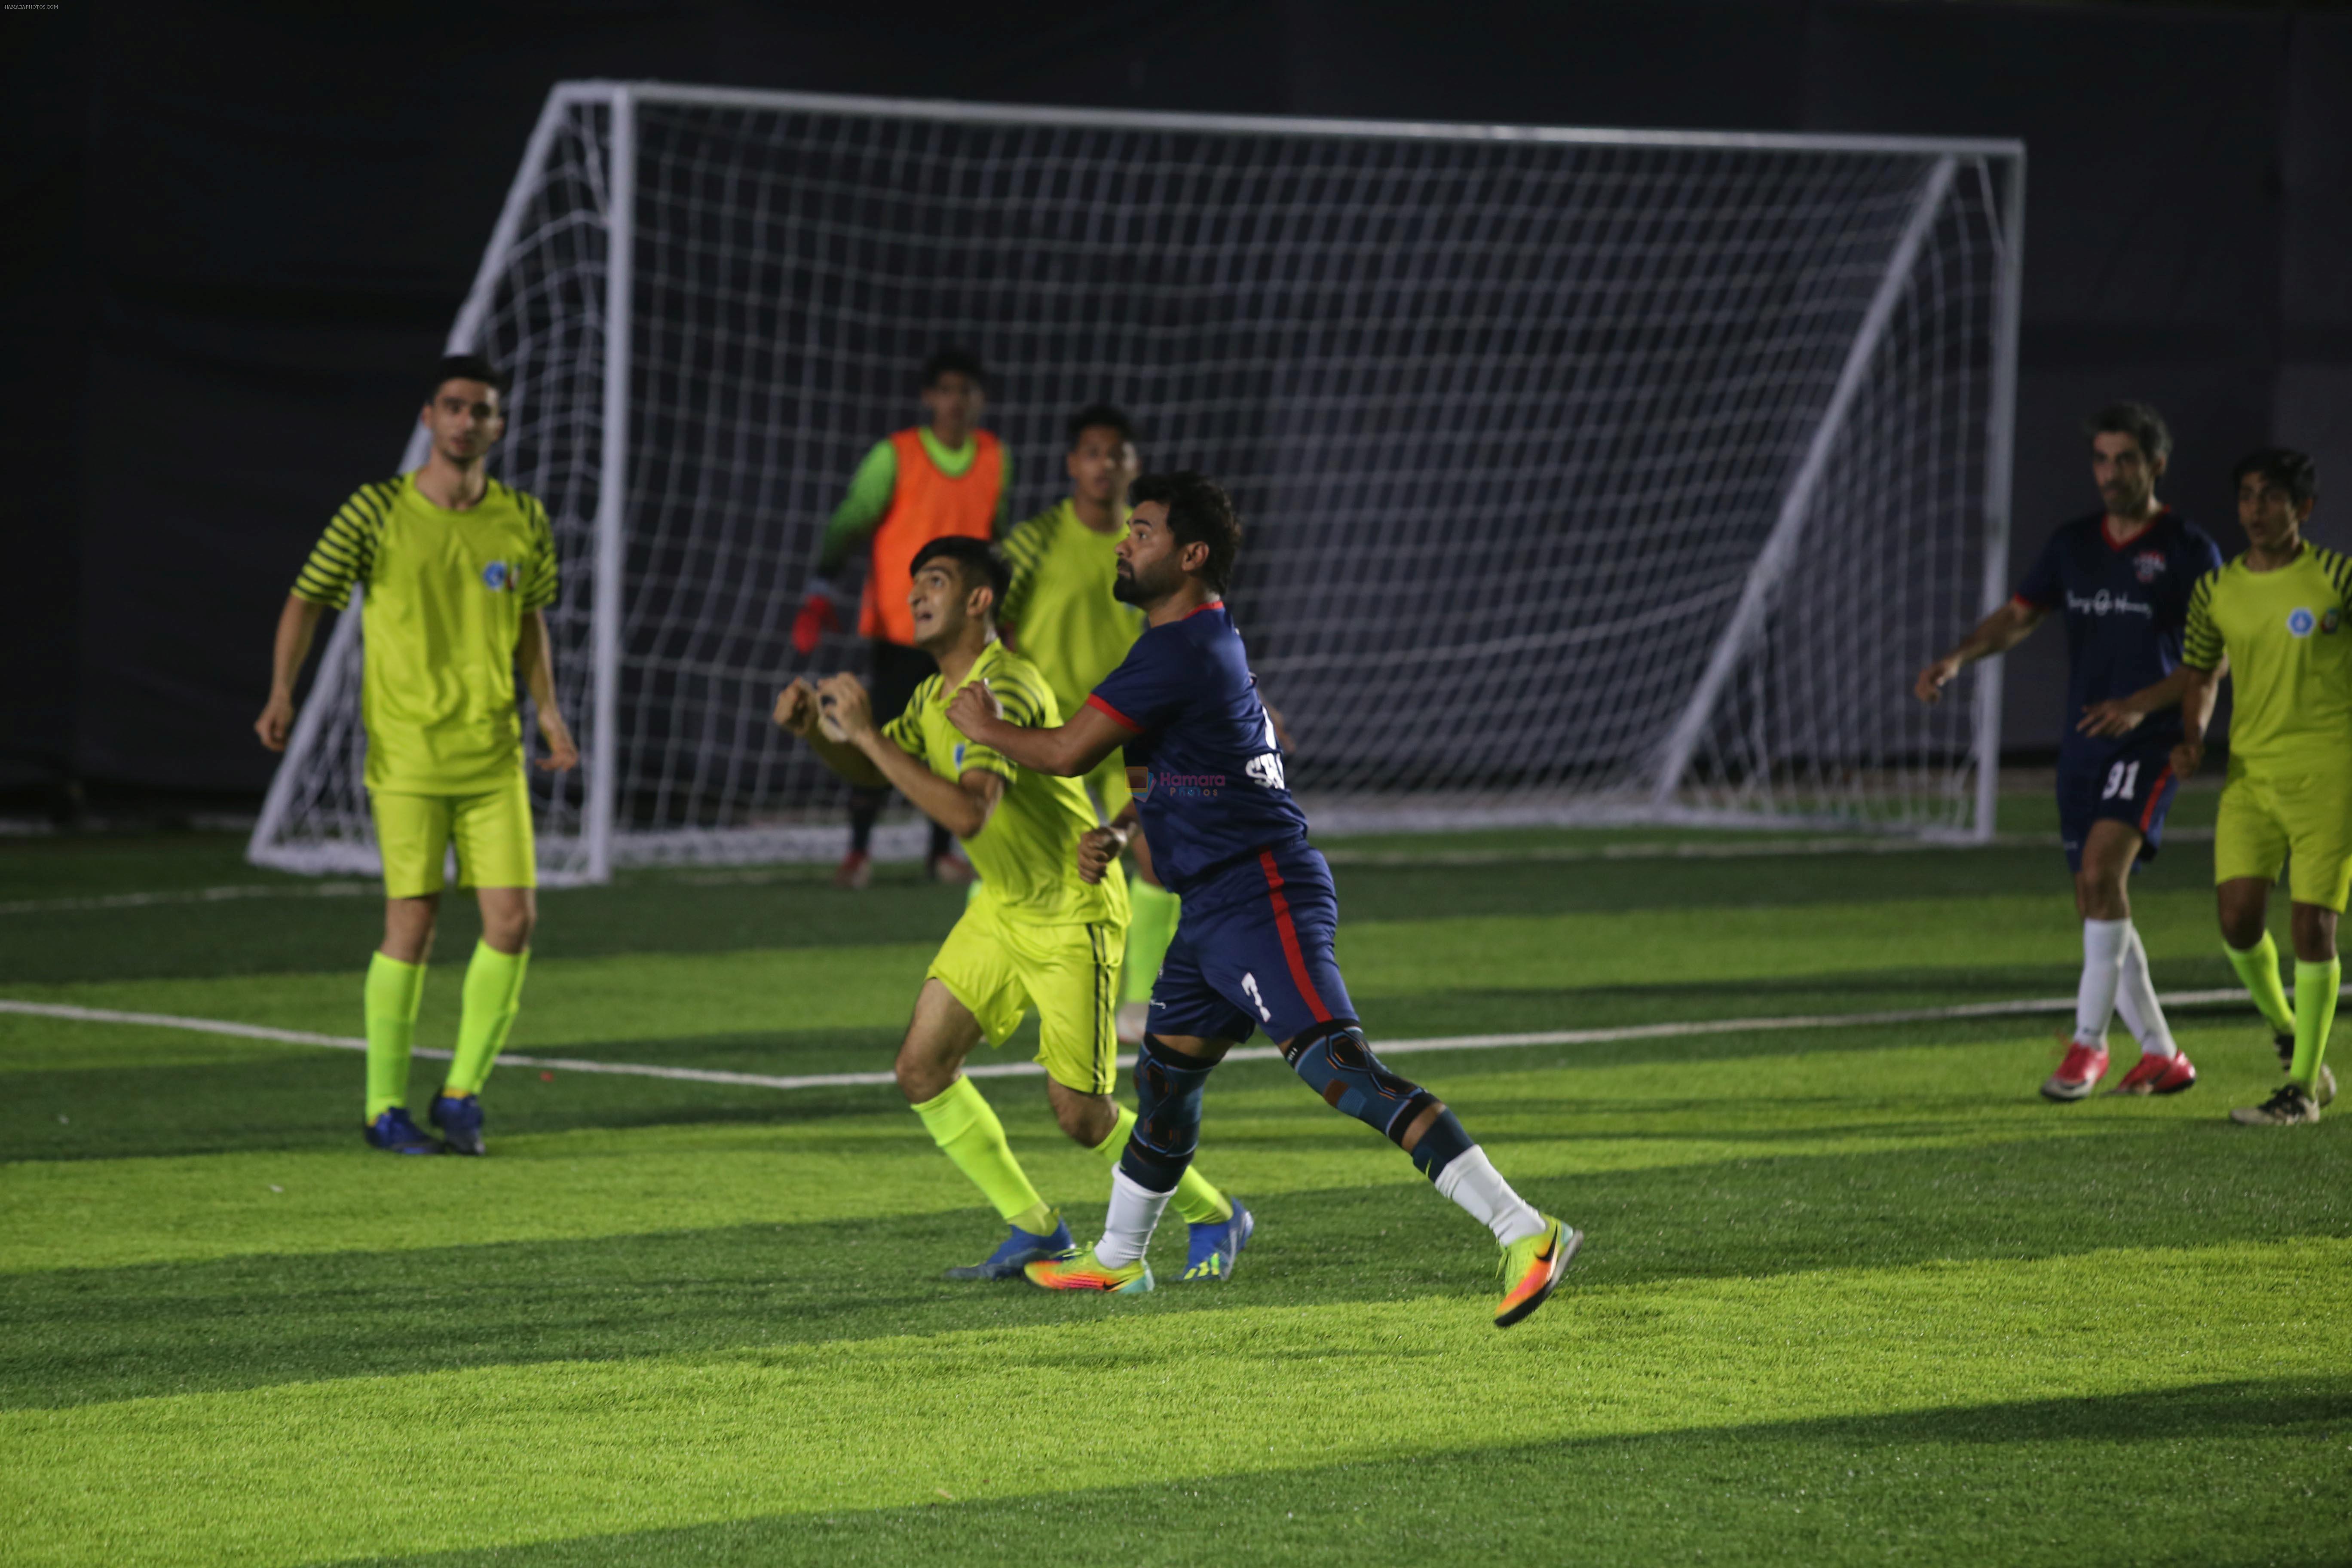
[1167, 1117]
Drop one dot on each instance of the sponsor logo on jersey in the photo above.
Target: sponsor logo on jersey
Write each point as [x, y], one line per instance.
[2148, 566]
[2332, 619]
[494, 575]
[2106, 604]
[1266, 771]
[2299, 621]
[1189, 786]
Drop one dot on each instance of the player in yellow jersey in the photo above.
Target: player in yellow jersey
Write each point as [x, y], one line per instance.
[1036, 935]
[1061, 615]
[2278, 620]
[457, 572]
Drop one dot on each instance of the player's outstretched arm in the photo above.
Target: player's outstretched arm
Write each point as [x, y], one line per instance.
[536, 652]
[1997, 632]
[298, 623]
[2121, 715]
[1067, 751]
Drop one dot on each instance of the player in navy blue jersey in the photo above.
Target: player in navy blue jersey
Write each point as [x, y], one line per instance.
[1253, 947]
[2121, 576]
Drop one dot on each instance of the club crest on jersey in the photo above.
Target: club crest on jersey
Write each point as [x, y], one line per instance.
[959, 756]
[2148, 566]
[2299, 621]
[494, 576]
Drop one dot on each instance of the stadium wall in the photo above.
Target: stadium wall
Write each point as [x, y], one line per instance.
[222, 280]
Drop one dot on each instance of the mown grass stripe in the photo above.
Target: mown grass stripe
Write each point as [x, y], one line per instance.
[2177, 1000]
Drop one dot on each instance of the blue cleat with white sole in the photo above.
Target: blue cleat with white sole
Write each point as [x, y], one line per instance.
[1021, 1249]
[394, 1133]
[1213, 1248]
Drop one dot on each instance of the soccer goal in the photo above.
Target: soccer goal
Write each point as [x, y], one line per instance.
[1587, 475]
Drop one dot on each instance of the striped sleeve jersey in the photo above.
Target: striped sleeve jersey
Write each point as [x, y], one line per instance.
[2286, 635]
[444, 595]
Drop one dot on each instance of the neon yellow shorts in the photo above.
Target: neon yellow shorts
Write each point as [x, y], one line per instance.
[1108, 785]
[2303, 821]
[491, 832]
[1000, 968]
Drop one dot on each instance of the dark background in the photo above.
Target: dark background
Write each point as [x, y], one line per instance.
[233, 233]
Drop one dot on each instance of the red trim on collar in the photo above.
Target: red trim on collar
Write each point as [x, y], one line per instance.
[2109, 540]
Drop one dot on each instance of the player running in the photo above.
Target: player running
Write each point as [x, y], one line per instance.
[1065, 619]
[458, 571]
[2274, 620]
[1253, 948]
[2121, 577]
[949, 478]
[1035, 934]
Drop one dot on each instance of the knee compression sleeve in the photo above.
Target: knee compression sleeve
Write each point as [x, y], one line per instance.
[1338, 1063]
[1167, 1117]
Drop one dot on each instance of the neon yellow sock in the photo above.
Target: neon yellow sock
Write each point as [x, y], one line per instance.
[2314, 1010]
[1196, 1199]
[393, 990]
[493, 993]
[966, 1130]
[2258, 971]
[1150, 929]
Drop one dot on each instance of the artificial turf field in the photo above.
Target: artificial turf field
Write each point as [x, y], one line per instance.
[1851, 1294]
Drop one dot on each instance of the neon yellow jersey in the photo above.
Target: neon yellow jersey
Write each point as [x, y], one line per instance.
[444, 595]
[2289, 648]
[1027, 855]
[1060, 605]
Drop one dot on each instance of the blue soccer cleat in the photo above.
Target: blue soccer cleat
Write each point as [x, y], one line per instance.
[394, 1133]
[460, 1118]
[1216, 1246]
[1021, 1249]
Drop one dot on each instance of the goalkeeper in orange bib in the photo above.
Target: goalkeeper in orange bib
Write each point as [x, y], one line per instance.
[947, 477]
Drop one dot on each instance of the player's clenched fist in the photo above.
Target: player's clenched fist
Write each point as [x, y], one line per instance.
[843, 708]
[1930, 686]
[1099, 847]
[276, 721]
[973, 708]
[796, 708]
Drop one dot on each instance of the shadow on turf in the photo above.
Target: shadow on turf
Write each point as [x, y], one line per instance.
[1991, 1483]
[78, 1336]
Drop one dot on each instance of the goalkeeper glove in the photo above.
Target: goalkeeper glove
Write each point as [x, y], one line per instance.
[817, 616]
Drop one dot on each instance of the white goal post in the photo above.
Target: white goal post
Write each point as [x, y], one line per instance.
[1587, 475]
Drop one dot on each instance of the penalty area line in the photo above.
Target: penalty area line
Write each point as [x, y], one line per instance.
[2020, 1008]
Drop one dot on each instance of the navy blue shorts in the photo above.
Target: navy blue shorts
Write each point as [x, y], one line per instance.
[2133, 783]
[1253, 951]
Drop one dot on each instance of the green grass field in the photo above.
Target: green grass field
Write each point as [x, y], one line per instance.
[1852, 1294]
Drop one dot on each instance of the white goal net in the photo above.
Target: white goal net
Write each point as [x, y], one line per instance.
[1587, 475]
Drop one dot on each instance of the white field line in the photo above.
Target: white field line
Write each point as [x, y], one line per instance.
[2172, 999]
[1341, 856]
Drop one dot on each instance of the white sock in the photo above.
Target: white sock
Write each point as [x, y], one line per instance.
[1471, 1180]
[2136, 1000]
[2103, 968]
[1135, 1211]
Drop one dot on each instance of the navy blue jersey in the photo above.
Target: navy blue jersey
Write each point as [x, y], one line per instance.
[1202, 759]
[2125, 606]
